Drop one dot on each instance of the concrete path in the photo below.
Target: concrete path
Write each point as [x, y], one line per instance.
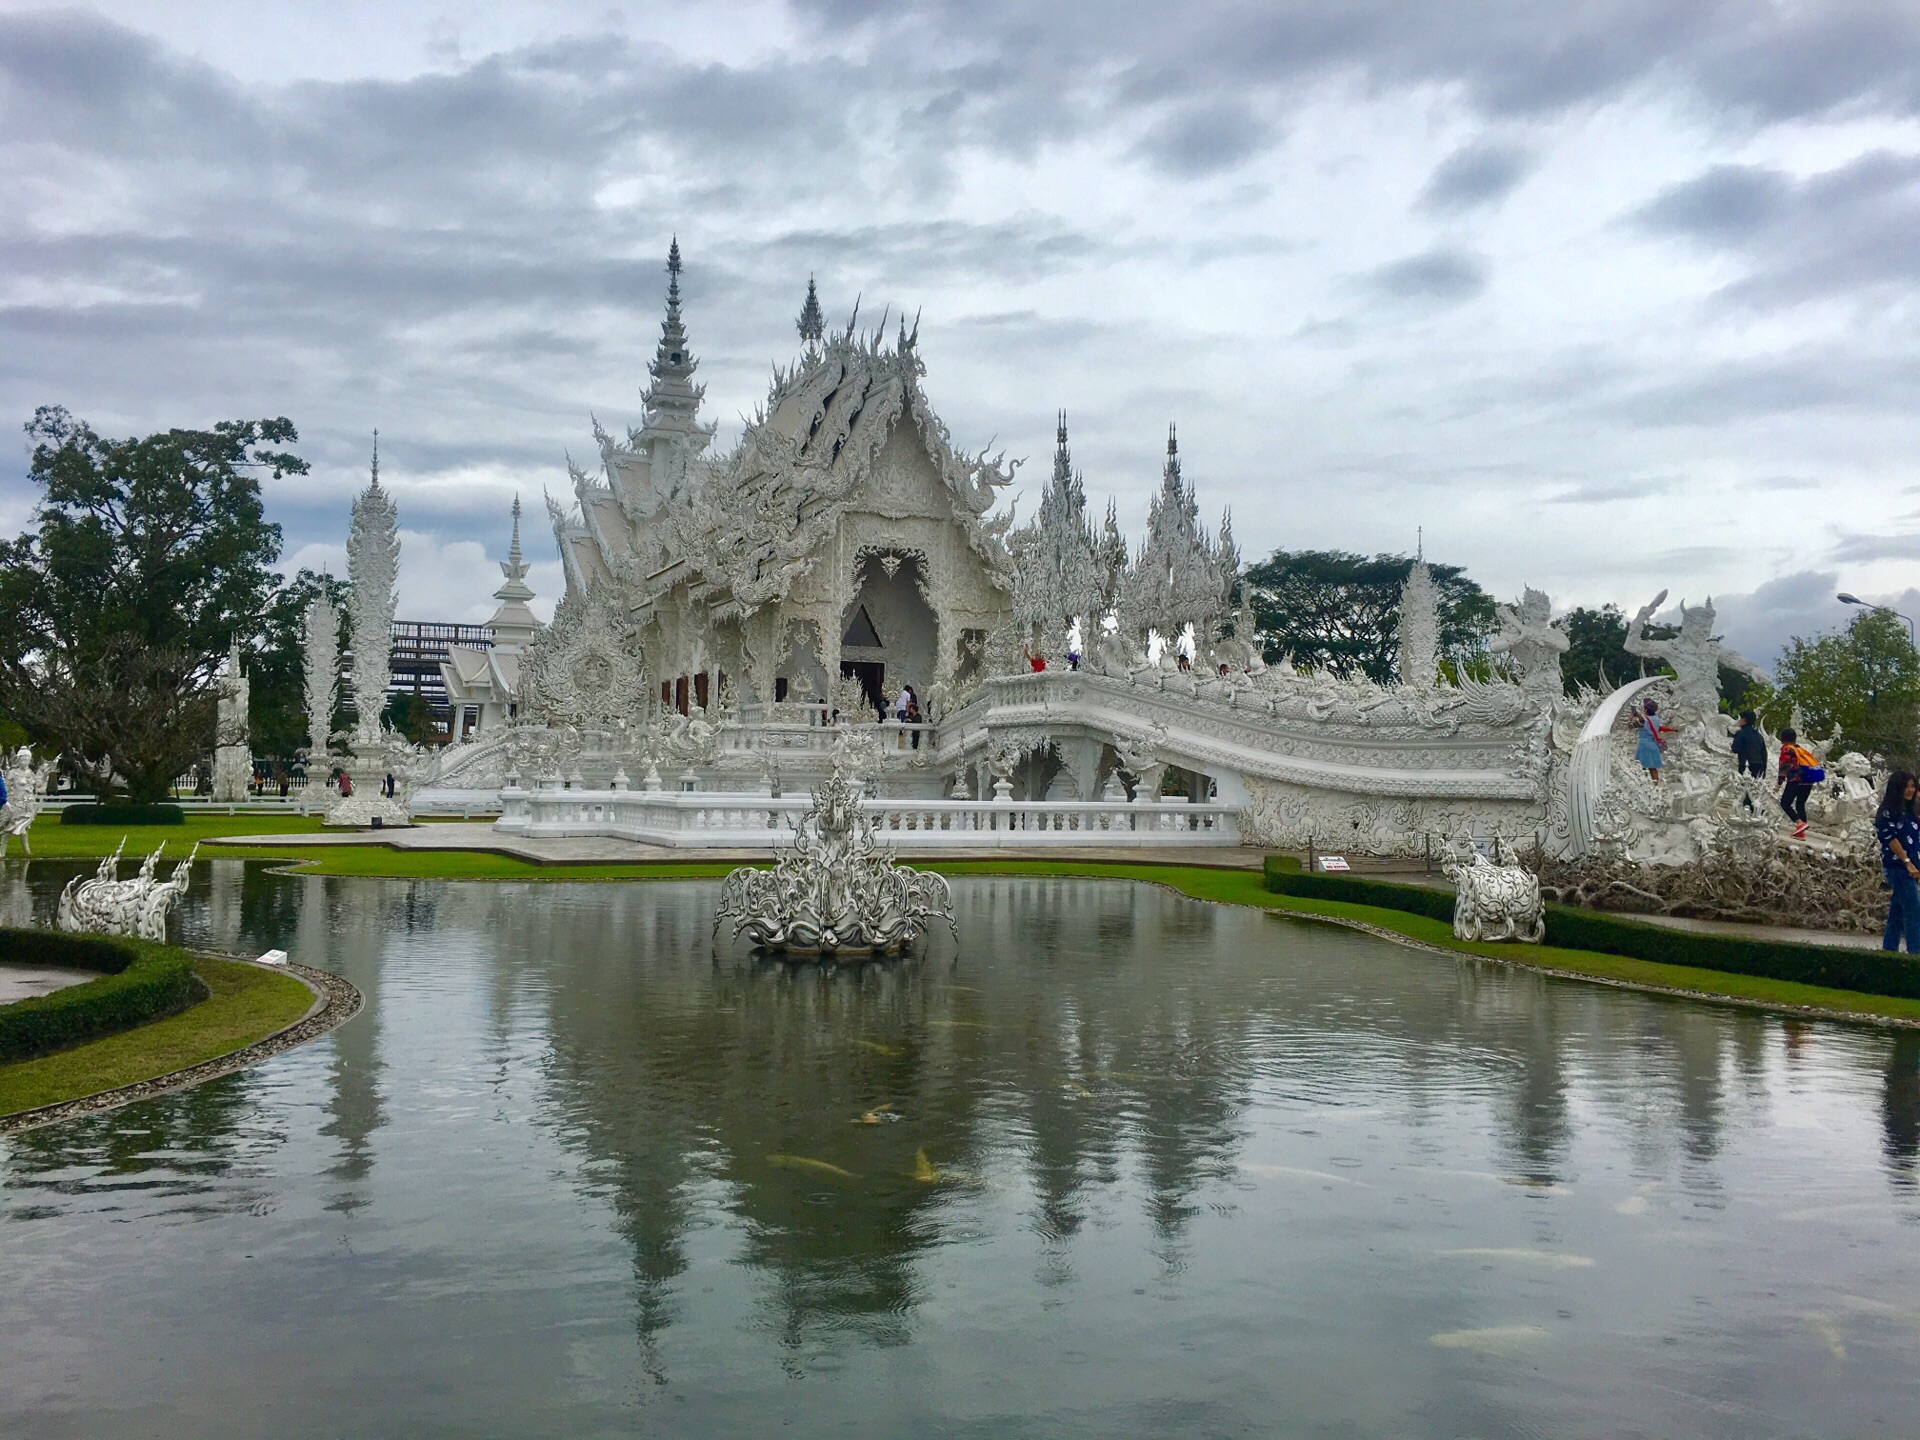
[602, 850]
[24, 982]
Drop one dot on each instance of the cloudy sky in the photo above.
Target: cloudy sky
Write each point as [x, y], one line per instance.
[1605, 295]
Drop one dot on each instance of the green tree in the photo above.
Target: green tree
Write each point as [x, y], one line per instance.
[1859, 687]
[277, 672]
[411, 716]
[148, 556]
[1342, 611]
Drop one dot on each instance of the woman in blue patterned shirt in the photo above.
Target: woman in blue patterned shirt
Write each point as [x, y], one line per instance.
[1899, 833]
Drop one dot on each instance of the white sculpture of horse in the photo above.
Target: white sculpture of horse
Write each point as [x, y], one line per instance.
[1495, 899]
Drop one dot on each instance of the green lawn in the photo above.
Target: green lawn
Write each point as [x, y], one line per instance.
[246, 1003]
[54, 841]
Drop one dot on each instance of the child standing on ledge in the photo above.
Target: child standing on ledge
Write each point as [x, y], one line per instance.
[1650, 751]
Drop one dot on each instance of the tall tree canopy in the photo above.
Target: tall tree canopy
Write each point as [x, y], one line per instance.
[1341, 611]
[1861, 687]
[148, 556]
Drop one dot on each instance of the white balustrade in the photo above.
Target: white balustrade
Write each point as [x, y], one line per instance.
[710, 819]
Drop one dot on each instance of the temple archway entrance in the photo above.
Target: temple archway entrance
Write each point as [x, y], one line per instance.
[889, 634]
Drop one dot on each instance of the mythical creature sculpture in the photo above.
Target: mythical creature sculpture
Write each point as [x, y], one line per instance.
[835, 891]
[1695, 654]
[110, 906]
[1495, 899]
[26, 793]
[1529, 638]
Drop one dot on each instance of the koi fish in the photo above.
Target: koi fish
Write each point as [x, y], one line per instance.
[877, 1115]
[1494, 1340]
[1537, 1257]
[925, 1172]
[879, 1049]
[803, 1162]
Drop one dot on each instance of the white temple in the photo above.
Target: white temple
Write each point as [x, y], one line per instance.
[733, 620]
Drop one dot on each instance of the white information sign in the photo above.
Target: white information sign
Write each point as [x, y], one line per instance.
[1334, 862]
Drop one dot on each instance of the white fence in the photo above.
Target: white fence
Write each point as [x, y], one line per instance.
[722, 820]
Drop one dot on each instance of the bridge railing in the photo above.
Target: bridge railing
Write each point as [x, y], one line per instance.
[718, 819]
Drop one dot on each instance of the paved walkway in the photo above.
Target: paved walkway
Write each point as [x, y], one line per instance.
[24, 982]
[603, 850]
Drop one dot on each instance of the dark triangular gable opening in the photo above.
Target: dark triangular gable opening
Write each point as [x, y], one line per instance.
[861, 631]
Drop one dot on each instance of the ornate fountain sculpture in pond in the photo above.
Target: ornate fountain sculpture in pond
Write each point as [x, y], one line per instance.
[836, 891]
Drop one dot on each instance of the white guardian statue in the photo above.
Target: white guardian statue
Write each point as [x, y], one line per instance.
[232, 752]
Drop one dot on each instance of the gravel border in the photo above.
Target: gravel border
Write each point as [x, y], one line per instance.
[335, 1001]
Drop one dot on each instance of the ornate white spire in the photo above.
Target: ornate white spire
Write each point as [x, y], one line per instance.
[373, 566]
[1177, 580]
[812, 323]
[513, 624]
[1058, 569]
[322, 669]
[673, 400]
[1419, 625]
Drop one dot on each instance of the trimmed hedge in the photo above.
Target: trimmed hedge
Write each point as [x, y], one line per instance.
[1870, 972]
[140, 981]
[123, 815]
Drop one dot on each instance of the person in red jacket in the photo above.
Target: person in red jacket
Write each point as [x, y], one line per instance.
[1799, 769]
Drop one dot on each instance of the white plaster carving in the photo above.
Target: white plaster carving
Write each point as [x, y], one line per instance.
[835, 890]
[138, 907]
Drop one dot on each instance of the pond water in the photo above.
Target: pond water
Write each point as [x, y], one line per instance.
[1138, 1166]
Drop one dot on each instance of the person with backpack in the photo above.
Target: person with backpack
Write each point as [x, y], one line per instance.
[1800, 771]
[1650, 752]
[1898, 831]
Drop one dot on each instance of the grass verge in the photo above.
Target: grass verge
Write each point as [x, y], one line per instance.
[245, 1003]
[54, 841]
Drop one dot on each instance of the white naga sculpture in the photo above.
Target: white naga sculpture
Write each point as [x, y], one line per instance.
[232, 751]
[835, 892]
[136, 907]
[1494, 899]
[26, 793]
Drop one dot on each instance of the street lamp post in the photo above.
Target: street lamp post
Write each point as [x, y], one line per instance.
[1845, 599]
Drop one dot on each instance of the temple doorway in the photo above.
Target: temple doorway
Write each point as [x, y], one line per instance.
[889, 634]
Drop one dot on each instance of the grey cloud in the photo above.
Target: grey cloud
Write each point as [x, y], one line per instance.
[1771, 62]
[1855, 228]
[1442, 275]
[1728, 203]
[1806, 379]
[1601, 492]
[1758, 623]
[1475, 175]
[1858, 548]
[1204, 138]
